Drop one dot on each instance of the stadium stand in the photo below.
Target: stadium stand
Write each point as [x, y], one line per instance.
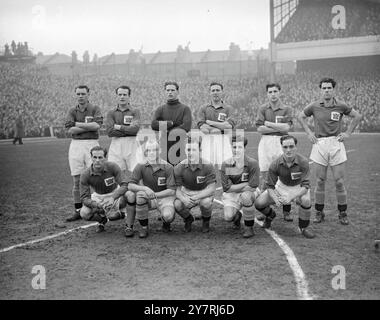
[312, 21]
[45, 98]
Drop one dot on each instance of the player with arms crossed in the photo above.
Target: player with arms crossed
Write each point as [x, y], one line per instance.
[122, 125]
[196, 185]
[214, 119]
[107, 202]
[288, 180]
[328, 147]
[157, 190]
[240, 177]
[274, 119]
[83, 123]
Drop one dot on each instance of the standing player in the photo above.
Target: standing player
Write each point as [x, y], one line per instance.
[288, 180]
[122, 125]
[196, 185]
[18, 129]
[83, 123]
[107, 202]
[156, 190]
[328, 147]
[274, 119]
[175, 118]
[240, 177]
[214, 118]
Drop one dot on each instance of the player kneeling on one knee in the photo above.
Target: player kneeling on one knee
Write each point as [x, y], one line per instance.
[196, 184]
[157, 190]
[240, 177]
[107, 202]
[288, 180]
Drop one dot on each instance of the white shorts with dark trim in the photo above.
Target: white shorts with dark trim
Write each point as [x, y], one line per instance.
[269, 150]
[191, 193]
[125, 152]
[289, 191]
[100, 198]
[328, 151]
[79, 155]
[232, 199]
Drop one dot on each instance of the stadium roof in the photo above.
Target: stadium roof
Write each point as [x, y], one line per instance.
[57, 58]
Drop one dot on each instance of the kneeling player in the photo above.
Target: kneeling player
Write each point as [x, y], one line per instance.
[107, 202]
[240, 177]
[288, 180]
[156, 192]
[196, 184]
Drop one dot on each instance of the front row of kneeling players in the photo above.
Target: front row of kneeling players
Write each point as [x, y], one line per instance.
[155, 184]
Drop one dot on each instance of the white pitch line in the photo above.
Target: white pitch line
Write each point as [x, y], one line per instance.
[299, 275]
[47, 238]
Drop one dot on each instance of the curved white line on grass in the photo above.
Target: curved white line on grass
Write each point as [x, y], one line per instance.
[47, 238]
[301, 282]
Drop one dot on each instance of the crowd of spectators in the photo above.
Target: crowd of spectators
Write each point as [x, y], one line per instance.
[312, 20]
[44, 99]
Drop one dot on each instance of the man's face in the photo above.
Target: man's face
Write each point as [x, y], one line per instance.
[123, 96]
[192, 152]
[238, 149]
[289, 148]
[216, 93]
[273, 94]
[171, 92]
[327, 90]
[82, 95]
[98, 160]
[152, 153]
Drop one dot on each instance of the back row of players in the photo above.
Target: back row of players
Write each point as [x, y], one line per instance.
[154, 183]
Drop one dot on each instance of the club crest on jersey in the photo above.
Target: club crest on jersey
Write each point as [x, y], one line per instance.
[296, 175]
[161, 181]
[88, 119]
[109, 181]
[222, 117]
[335, 116]
[280, 119]
[201, 179]
[128, 120]
[244, 177]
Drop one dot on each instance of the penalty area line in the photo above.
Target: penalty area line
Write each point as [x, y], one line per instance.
[47, 238]
[299, 275]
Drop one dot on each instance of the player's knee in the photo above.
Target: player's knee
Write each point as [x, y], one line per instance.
[178, 205]
[260, 203]
[168, 214]
[130, 196]
[305, 201]
[141, 198]
[339, 184]
[229, 213]
[86, 213]
[206, 203]
[246, 199]
[321, 182]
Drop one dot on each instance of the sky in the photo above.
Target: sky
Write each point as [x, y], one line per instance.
[103, 27]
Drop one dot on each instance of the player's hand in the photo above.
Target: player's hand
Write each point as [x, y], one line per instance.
[188, 202]
[285, 200]
[108, 202]
[150, 193]
[342, 136]
[313, 139]
[205, 129]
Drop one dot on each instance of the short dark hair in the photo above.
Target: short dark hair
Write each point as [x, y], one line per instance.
[82, 86]
[168, 83]
[99, 148]
[239, 139]
[327, 80]
[270, 85]
[124, 87]
[214, 83]
[288, 137]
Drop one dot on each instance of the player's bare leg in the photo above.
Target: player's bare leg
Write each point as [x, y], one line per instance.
[247, 200]
[184, 213]
[142, 211]
[304, 212]
[131, 213]
[341, 193]
[77, 202]
[263, 203]
[233, 215]
[319, 193]
[168, 215]
[94, 214]
[206, 210]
